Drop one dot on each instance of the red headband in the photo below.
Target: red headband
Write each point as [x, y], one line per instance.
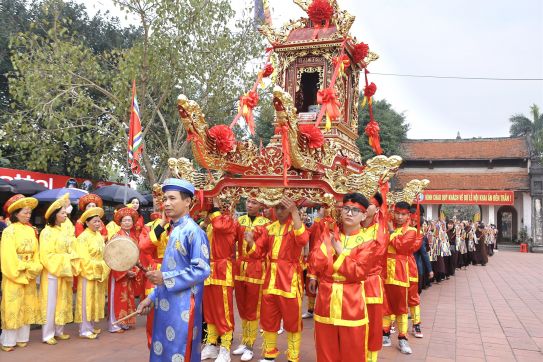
[351, 203]
[401, 210]
[374, 201]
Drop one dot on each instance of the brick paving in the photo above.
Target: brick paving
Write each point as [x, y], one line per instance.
[491, 313]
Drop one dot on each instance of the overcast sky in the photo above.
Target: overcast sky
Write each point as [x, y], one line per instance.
[466, 38]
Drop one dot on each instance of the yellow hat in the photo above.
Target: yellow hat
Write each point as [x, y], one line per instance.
[57, 204]
[92, 212]
[22, 202]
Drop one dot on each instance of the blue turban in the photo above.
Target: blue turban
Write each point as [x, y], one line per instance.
[176, 184]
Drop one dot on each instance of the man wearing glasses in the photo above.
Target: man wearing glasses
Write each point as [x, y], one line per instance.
[341, 260]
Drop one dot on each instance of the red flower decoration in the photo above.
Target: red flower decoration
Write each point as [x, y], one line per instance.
[313, 134]
[268, 70]
[370, 90]
[320, 11]
[360, 52]
[224, 138]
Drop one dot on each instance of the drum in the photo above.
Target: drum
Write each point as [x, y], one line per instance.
[121, 254]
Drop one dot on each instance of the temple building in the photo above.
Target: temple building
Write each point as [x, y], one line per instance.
[500, 175]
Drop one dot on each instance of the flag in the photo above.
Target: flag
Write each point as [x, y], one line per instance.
[135, 137]
[262, 13]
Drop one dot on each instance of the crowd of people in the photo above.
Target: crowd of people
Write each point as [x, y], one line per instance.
[361, 266]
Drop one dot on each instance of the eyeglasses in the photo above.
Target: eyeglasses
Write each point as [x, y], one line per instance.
[353, 210]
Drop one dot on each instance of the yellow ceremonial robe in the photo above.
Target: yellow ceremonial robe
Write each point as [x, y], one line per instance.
[56, 256]
[112, 229]
[89, 247]
[20, 264]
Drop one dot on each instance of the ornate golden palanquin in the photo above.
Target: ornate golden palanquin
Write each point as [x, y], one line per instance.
[304, 59]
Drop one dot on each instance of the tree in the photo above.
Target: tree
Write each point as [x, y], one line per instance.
[533, 128]
[264, 116]
[393, 129]
[38, 135]
[83, 97]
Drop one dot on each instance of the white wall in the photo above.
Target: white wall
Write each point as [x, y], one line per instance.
[527, 211]
[430, 211]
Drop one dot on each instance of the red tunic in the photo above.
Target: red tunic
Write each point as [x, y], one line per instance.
[283, 246]
[125, 288]
[340, 300]
[219, 286]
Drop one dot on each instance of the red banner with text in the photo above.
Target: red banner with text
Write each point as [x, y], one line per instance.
[468, 197]
[51, 181]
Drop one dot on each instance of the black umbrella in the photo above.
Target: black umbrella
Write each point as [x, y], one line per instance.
[116, 193]
[27, 187]
[5, 186]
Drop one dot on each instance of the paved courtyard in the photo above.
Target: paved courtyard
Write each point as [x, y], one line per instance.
[491, 313]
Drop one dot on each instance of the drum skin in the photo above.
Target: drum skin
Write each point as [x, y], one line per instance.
[121, 253]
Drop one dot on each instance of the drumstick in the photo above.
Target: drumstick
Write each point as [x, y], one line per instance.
[125, 318]
[142, 268]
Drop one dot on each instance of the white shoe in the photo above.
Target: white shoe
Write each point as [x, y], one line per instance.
[224, 355]
[404, 346]
[386, 341]
[238, 351]
[210, 352]
[307, 315]
[280, 331]
[247, 355]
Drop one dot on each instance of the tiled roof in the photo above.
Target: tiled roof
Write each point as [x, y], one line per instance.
[510, 180]
[465, 149]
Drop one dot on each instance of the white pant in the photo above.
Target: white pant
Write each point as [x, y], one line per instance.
[50, 329]
[86, 328]
[10, 337]
[110, 326]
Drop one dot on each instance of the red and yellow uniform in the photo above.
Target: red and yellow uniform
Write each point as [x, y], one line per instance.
[341, 318]
[282, 290]
[374, 290]
[315, 232]
[152, 249]
[413, 298]
[248, 279]
[397, 277]
[219, 286]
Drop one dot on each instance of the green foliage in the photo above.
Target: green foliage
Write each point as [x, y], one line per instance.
[264, 116]
[73, 87]
[462, 212]
[393, 129]
[524, 126]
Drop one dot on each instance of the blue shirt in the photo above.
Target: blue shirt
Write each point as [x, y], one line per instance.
[184, 268]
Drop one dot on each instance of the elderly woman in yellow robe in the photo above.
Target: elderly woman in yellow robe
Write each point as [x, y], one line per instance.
[20, 264]
[59, 264]
[93, 274]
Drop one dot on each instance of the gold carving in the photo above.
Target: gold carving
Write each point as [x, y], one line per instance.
[410, 192]
[378, 170]
[203, 147]
[302, 70]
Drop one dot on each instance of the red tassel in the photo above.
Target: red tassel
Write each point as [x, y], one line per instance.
[372, 128]
[418, 216]
[201, 197]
